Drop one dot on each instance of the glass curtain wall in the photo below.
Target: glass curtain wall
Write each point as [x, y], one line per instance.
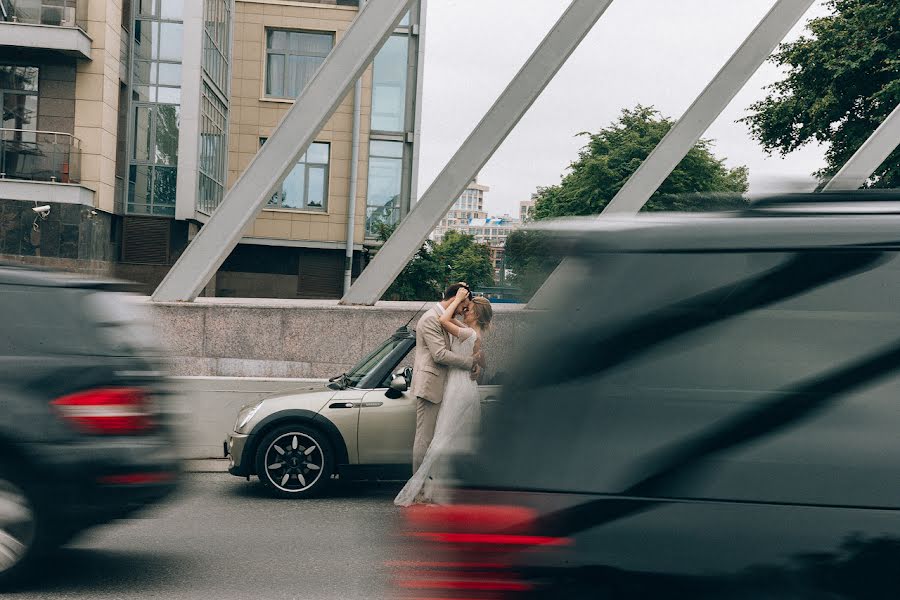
[155, 106]
[389, 151]
[214, 105]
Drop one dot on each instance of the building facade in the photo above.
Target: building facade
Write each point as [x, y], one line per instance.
[132, 119]
[469, 206]
[526, 209]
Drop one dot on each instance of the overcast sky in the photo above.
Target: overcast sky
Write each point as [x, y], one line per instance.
[652, 52]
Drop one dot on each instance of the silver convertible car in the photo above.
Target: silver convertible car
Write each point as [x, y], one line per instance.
[360, 426]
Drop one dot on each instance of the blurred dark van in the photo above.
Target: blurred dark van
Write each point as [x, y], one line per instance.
[709, 408]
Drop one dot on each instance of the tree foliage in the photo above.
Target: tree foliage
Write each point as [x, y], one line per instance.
[701, 182]
[435, 266]
[615, 152]
[843, 79]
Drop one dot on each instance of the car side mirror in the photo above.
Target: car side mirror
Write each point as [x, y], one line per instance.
[399, 385]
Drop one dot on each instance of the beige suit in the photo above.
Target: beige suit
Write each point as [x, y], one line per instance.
[433, 358]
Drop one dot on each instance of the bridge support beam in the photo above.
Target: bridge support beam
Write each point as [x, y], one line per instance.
[575, 23]
[869, 157]
[732, 77]
[315, 105]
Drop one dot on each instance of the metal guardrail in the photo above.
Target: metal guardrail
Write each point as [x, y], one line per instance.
[59, 13]
[39, 156]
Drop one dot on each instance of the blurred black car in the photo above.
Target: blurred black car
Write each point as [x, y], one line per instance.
[709, 409]
[83, 437]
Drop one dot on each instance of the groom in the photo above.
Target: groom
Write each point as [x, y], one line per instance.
[433, 358]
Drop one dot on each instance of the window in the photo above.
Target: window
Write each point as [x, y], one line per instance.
[155, 107]
[385, 184]
[292, 58]
[19, 101]
[213, 150]
[216, 42]
[154, 158]
[306, 186]
[389, 85]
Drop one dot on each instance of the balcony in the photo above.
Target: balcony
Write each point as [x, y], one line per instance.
[29, 160]
[57, 26]
[39, 156]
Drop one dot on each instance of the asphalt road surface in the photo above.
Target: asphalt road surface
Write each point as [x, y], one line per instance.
[221, 537]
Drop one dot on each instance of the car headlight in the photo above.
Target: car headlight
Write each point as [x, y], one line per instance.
[245, 416]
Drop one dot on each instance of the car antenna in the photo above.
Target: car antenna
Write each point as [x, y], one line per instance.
[415, 314]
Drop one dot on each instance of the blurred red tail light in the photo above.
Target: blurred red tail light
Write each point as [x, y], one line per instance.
[469, 551]
[107, 411]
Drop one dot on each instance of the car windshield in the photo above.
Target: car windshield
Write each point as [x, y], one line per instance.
[372, 361]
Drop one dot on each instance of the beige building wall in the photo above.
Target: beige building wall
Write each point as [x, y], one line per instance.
[253, 116]
[97, 101]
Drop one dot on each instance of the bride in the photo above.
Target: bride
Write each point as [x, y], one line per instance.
[461, 406]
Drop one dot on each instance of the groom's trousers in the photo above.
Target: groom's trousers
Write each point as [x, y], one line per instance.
[426, 419]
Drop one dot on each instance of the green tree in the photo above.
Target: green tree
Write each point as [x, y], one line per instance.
[465, 260]
[700, 182]
[435, 266]
[842, 80]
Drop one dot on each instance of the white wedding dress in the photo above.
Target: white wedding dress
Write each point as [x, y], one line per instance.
[456, 423]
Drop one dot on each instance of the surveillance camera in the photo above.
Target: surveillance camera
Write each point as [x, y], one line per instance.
[42, 210]
[93, 213]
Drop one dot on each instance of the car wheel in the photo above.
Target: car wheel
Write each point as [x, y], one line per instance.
[18, 529]
[294, 461]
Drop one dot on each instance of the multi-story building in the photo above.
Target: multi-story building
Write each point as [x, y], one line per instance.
[526, 209]
[132, 118]
[469, 206]
[492, 232]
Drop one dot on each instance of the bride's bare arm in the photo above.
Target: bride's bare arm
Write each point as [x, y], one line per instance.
[447, 321]
[478, 356]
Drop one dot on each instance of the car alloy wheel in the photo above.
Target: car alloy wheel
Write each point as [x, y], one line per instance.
[17, 526]
[294, 462]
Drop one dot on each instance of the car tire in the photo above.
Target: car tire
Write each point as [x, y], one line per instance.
[22, 528]
[294, 461]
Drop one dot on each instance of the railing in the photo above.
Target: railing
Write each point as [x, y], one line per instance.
[39, 156]
[60, 13]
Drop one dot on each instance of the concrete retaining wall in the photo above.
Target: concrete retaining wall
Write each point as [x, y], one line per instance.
[220, 337]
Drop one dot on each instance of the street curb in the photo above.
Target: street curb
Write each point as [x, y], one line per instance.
[206, 465]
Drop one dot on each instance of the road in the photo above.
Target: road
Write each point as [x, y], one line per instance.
[222, 538]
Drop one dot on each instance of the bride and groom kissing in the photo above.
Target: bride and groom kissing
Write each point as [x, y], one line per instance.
[449, 360]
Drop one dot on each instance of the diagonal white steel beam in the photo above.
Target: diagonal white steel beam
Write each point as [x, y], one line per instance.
[869, 157]
[277, 157]
[500, 120]
[730, 79]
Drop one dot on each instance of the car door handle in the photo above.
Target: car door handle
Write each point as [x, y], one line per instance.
[372, 404]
